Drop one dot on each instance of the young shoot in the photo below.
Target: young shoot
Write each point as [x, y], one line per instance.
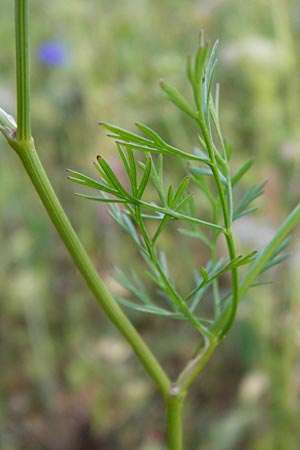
[206, 169]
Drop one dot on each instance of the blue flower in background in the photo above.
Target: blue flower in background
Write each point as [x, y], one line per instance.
[52, 53]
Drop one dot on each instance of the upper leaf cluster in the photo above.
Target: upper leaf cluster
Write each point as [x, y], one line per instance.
[208, 171]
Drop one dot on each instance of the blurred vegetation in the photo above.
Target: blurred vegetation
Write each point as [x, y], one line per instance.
[67, 379]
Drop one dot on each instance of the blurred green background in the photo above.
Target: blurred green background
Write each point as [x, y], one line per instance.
[67, 380]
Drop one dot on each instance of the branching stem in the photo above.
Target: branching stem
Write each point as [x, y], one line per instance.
[21, 141]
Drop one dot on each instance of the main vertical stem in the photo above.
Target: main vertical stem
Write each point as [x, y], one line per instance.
[23, 69]
[174, 405]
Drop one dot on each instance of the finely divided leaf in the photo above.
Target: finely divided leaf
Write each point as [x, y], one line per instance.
[252, 194]
[178, 99]
[241, 172]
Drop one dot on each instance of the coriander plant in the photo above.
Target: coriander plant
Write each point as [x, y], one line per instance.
[147, 206]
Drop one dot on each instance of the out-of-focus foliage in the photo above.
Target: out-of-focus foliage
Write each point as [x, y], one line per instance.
[67, 379]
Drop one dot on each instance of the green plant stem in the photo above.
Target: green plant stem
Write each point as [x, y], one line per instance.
[227, 215]
[235, 286]
[24, 146]
[23, 69]
[215, 236]
[174, 405]
[35, 170]
[255, 269]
